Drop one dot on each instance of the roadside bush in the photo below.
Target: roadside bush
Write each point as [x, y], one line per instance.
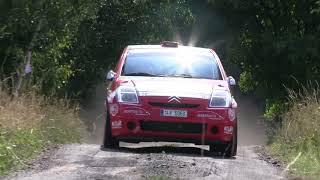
[30, 124]
[300, 133]
[274, 109]
[246, 82]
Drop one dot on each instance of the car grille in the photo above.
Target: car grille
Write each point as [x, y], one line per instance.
[169, 105]
[195, 128]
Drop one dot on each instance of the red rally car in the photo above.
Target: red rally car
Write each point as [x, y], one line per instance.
[171, 93]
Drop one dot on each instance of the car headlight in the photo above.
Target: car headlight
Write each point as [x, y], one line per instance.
[127, 95]
[220, 98]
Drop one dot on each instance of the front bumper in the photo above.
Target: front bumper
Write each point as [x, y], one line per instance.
[135, 123]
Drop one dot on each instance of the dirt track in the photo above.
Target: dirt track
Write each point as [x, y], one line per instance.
[155, 160]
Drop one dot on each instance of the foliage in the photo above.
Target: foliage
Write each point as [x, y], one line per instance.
[276, 42]
[274, 108]
[118, 24]
[46, 28]
[31, 124]
[246, 82]
[300, 133]
[72, 42]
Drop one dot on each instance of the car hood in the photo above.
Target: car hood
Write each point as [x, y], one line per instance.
[171, 86]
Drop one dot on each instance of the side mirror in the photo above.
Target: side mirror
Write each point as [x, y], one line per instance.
[231, 81]
[110, 75]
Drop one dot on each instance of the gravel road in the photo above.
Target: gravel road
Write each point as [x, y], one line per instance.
[155, 160]
[174, 161]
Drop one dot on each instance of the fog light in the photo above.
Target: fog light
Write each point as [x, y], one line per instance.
[214, 130]
[228, 129]
[131, 125]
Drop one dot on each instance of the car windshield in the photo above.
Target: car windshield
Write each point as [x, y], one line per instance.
[171, 63]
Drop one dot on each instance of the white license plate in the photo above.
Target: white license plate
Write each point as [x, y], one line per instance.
[173, 113]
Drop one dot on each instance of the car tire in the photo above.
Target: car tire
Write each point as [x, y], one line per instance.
[108, 140]
[229, 149]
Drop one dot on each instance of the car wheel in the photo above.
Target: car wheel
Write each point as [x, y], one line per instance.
[226, 150]
[109, 141]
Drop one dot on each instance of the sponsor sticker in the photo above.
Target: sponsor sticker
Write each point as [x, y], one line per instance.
[136, 111]
[116, 124]
[209, 115]
[228, 129]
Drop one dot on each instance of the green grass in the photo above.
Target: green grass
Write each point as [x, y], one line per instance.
[306, 165]
[30, 124]
[300, 134]
[19, 146]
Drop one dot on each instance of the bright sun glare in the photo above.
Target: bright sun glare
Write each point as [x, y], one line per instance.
[185, 59]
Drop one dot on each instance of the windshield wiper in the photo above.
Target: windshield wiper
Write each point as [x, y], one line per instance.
[140, 74]
[182, 75]
[159, 75]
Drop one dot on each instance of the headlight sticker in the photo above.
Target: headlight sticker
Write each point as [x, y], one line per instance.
[113, 109]
[127, 95]
[232, 114]
[220, 98]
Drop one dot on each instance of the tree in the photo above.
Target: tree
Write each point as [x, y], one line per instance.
[70, 43]
[276, 44]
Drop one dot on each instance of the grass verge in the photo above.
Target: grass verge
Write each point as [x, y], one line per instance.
[31, 123]
[298, 140]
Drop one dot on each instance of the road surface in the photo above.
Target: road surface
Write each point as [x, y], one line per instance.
[155, 160]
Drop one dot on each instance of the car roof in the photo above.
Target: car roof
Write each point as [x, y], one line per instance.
[159, 47]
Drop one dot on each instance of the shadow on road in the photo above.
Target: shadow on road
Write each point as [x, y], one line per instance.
[181, 151]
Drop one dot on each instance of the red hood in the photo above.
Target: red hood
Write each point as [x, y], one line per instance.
[182, 87]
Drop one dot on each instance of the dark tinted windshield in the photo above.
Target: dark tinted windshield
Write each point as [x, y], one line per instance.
[171, 63]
